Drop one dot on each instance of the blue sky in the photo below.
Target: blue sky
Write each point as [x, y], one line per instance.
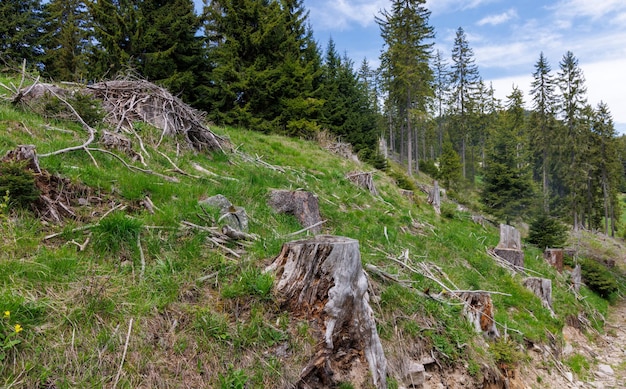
[506, 36]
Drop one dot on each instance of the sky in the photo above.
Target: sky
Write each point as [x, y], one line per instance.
[506, 37]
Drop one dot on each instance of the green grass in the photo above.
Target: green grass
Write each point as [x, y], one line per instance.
[201, 313]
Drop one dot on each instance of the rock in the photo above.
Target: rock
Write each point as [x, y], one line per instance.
[606, 369]
[569, 376]
[568, 349]
[414, 376]
[235, 217]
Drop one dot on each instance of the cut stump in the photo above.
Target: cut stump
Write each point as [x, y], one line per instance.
[479, 311]
[555, 258]
[510, 246]
[303, 205]
[542, 288]
[321, 279]
[434, 197]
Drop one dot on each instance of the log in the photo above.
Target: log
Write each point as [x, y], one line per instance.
[303, 205]
[321, 279]
[478, 309]
[555, 258]
[542, 288]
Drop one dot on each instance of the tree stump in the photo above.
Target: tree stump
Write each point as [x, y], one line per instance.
[479, 311]
[577, 277]
[24, 153]
[555, 258]
[321, 279]
[434, 197]
[510, 246]
[542, 288]
[303, 205]
[235, 217]
[364, 180]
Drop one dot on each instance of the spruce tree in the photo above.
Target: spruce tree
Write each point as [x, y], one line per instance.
[21, 32]
[465, 82]
[507, 191]
[67, 40]
[406, 64]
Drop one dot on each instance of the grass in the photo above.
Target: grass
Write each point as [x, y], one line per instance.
[200, 313]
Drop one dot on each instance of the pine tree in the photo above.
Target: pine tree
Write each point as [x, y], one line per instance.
[21, 31]
[465, 82]
[408, 38]
[67, 42]
[507, 190]
[450, 167]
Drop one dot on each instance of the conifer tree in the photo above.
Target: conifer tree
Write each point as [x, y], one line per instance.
[543, 128]
[406, 64]
[67, 40]
[21, 31]
[507, 190]
[465, 82]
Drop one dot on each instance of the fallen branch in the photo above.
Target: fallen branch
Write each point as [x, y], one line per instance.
[305, 229]
[136, 168]
[119, 370]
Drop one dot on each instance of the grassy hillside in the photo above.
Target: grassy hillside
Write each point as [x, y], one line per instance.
[122, 297]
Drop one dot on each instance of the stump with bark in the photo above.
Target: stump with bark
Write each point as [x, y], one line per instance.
[542, 288]
[555, 258]
[577, 277]
[321, 279]
[434, 197]
[364, 180]
[303, 205]
[510, 246]
[478, 309]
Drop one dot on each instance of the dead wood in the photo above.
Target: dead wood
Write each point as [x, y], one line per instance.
[321, 279]
[577, 277]
[478, 309]
[555, 258]
[542, 288]
[364, 180]
[128, 101]
[303, 205]
[333, 144]
[510, 246]
[434, 197]
[25, 153]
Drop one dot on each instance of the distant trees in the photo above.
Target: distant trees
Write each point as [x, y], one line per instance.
[21, 31]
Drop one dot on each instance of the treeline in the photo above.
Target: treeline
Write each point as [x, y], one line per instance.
[255, 64]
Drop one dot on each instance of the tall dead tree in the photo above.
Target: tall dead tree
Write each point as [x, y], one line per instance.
[321, 279]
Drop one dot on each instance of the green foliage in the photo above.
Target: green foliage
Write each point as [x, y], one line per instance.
[9, 335]
[89, 109]
[233, 379]
[547, 232]
[21, 31]
[579, 364]
[252, 282]
[506, 352]
[598, 278]
[428, 167]
[18, 183]
[450, 167]
[402, 179]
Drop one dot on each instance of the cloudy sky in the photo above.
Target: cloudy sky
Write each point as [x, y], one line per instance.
[506, 36]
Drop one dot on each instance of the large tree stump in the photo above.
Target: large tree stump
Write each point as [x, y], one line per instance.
[510, 246]
[303, 205]
[479, 311]
[322, 280]
[434, 197]
[555, 258]
[542, 288]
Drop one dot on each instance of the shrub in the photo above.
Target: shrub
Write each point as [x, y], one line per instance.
[546, 231]
[598, 278]
[429, 167]
[19, 183]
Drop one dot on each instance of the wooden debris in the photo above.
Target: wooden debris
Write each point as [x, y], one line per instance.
[364, 180]
[303, 205]
[24, 153]
[577, 277]
[478, 310]
[434, 197]
[510, 246]
[542, 288]
[555, 258]
[321, 279]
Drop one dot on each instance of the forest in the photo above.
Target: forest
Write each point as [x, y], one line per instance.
[254, 64]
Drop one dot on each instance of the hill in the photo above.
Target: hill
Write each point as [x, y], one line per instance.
[134, 284]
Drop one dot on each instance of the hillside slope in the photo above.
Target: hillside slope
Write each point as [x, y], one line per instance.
[133, 290]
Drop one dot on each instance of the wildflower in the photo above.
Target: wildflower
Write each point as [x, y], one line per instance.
[18, 328]
[7, 314]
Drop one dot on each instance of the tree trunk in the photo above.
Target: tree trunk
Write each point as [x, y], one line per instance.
[555, 258]
[478, 309]
[434, 197]
[577, 277]
[321, 279]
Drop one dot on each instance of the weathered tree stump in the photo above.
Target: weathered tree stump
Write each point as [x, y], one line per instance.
[542, 288]
[364, 180]
[434, 197]
[510, 246]
[303, 205]
[322, 280]
[479, 311]
[555, 258]
[235, 217]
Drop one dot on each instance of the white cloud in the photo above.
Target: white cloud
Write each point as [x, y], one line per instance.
[497, 19]
[447, 6]
[340, 14]
[585, 8]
